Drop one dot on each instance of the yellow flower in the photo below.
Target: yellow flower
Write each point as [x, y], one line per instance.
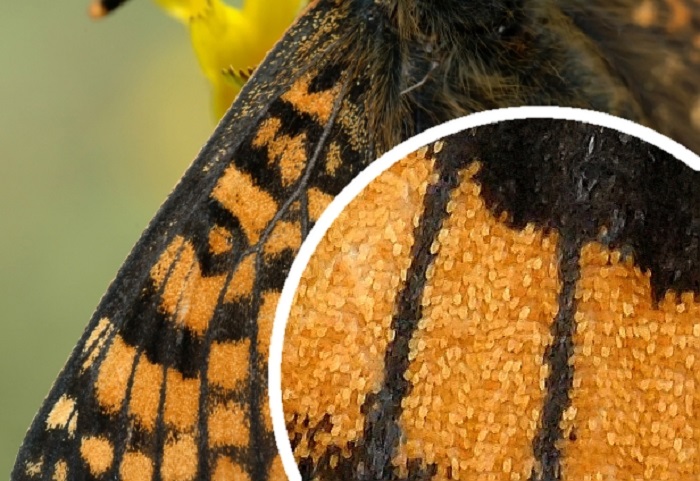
[230, 42]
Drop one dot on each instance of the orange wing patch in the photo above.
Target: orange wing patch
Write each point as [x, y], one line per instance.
[188, 297]
[220, 240]
[136, 467]
[180, 459]
[145, 393]
[181, 400]
[633, 410]
[318, 201]
[113, 376]
[226, 470]
[98, 454]
[228, 363]
[287, 152]
[60, 472]
[476, 358]
[241, 284]
[317, 104]
[63, 415]
[253, 207]
[284, 235]
[228, 425]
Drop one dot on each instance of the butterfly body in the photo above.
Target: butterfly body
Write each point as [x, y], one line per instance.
[170, 378]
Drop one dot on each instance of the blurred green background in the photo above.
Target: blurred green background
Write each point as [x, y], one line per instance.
[98, 120]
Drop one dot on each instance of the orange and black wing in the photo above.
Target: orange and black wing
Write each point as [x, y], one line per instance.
[169, 380]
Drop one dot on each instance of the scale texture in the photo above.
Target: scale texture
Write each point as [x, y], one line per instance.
[497, 315]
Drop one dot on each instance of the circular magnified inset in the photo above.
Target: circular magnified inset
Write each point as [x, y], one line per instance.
[513, 301]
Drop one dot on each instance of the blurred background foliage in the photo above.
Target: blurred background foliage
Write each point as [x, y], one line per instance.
[98, 120]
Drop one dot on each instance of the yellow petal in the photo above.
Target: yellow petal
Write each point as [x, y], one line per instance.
[183, 10]
[230, 41]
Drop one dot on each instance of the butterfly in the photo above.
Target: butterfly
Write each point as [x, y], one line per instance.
[517, 300]
[169, 380]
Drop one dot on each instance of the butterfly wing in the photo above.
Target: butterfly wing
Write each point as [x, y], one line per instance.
[652, 45]
[169, 380]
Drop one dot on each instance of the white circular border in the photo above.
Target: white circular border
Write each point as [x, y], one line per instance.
[368, 175]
